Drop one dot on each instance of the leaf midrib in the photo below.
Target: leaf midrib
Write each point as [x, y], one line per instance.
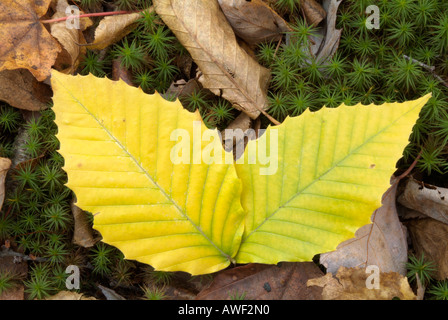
[170, 199]
[298, 193]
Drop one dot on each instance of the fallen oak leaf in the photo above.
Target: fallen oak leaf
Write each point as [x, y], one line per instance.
[254, 21]
[429, 200]
[227, 69]
[25, 41]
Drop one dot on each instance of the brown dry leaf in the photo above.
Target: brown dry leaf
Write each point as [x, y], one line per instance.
[69, 295]
[326, 42]
[113, 28]
[382, 243]
[25, 41]
[181, 88]
[15, 293]
[286, 281]
[227, 69]
[21, 90]
[430, 200]
[314, 12]
[119, 72]
[430, 238]
[254, 21]
[350, 284]
[70, 39]
[243, 122]
[5, 164]
[110, 294]
[83, 233]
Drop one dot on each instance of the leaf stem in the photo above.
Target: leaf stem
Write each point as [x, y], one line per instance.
[88, 15]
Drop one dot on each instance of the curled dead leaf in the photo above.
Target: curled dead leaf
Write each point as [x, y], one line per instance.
[254, 21]
[113, 28]
[431, 201]
[70, 39]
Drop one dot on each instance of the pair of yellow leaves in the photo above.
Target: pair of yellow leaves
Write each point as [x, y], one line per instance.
[332, 167]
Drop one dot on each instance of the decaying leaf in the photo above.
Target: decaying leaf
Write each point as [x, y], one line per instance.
[25, 41]
[69, 295]
[430, 238]
[182, 88]
[313, 11]
[254, 21]
[82, 234]
[5, 164]
[286, 281]
[113, 28]
[15, 293]
[21, 90]
[70, 39]
[167, 212]
[382, 243]
[110, 294]
[227, 69]
[351, 284]
[429, 200]
[323, 182]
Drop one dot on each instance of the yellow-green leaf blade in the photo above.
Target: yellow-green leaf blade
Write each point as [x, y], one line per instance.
[116, 142]
[333, 167]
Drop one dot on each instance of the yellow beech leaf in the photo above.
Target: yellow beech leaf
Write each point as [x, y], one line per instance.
[118, 144]
[323, 175]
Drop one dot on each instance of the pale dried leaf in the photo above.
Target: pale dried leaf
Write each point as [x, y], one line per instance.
[69, 295]
[430, 200]
[203, 30]
[113, 28]
[110, 294]
[382, 243]
[254, 21]
[350, 284]
[70, 39]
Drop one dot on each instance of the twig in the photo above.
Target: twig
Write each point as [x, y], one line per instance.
[429, 68]
[6, 252]
[412, 166]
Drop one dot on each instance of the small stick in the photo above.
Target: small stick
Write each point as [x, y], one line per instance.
[429, 68]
